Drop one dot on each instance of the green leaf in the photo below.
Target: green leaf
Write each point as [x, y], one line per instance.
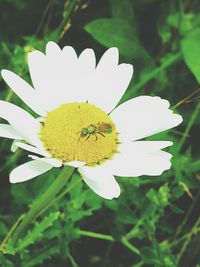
[37, 232]
[79, 214]
[93, 201]
[21, 194]
[164, 195]
[122, 10]
[159, 198]
[5, 262]
[19, 4]
[149, 256]
[182, 22]
[42, 254]
[191, 52]
[153, 197]
[117, 32]
[3, 229]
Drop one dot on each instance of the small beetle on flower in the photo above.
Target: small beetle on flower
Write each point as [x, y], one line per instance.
[100, 128]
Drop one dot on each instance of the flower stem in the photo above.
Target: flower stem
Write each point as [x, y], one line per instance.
[124, 240]
[95, 235]
[62, 194]
[126, 243]
[189, 126]
[69, 9]
[44, 200]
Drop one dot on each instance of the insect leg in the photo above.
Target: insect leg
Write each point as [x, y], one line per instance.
[79, 138]
[101, 134]
[88, 136]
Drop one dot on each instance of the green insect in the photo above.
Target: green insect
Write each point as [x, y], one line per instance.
[92, 129]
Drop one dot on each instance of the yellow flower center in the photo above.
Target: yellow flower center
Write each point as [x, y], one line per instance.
[79, 132]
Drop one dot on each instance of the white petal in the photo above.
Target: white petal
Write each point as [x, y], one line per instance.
[9, 132]
[23, 90]
[67, 78]
[69, 55]
[87, 60]
[109, 86]
[37, 66]
[78, 75]
[140, 158]
[23, 122]
[143, 116]
[109, 60]
[13, 146]
[100, 181]
[75, 164]
[51, 161]
[33, 149]
[52, 49]
[45, 73]
[29, 170]
[55, 76]
[75, 76]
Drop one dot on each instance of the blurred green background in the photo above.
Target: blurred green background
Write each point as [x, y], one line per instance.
[155, 221]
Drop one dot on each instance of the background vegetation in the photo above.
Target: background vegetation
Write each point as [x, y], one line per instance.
[155, 222]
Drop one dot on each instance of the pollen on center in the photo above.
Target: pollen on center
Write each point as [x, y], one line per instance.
[79, 132]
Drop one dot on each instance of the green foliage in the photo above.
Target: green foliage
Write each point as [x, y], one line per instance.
[119, 31]
[36, 233]
[191, 54]
[122, 10]
[115, 32]
[155, 221]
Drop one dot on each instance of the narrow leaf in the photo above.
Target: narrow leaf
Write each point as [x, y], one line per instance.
[191, 52]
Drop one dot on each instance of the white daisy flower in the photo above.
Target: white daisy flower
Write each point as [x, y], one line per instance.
[78, 123]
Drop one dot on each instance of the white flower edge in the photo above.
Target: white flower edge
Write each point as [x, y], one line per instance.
[147, 115]
[156, 162]
[107, 75]
[134, 159]
[143, 116]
